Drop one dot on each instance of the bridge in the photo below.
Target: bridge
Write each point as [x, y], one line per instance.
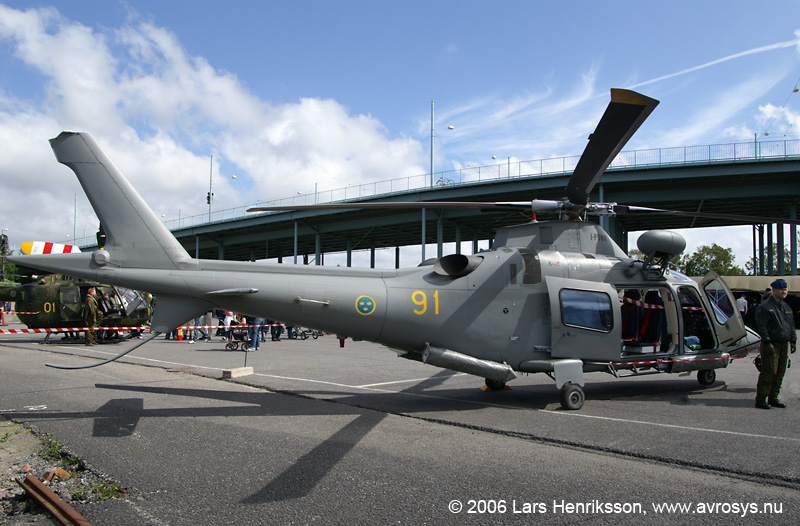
[758, 178]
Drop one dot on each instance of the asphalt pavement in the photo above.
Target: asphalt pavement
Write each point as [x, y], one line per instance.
[326, 435]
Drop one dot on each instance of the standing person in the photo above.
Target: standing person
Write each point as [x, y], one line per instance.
[207, 318]
[742, 304]
[276, 331]
[775, 321]
[199, 330]
[93, 316]
[766, 295]
[227, 321]
[255, 333]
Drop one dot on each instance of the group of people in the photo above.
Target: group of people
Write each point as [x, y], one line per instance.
[775, 325]
[257, 328]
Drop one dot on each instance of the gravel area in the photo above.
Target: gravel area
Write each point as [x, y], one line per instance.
[24, 453]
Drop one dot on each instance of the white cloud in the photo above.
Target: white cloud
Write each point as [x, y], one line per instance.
[160, 114]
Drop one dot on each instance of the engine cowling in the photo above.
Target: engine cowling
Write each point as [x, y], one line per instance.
[456, 265]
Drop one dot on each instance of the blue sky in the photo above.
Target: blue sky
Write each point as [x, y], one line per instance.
[289, 96]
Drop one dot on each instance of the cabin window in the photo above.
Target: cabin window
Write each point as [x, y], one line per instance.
[586, 309]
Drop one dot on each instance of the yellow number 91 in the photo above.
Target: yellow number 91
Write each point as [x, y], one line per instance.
[420, 299]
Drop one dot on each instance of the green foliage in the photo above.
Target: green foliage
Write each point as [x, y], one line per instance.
[6, 269]
[709, 258]
[108, 490]
[54, 450]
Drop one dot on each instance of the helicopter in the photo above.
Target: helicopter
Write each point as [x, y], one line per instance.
[557, 297]
[55, 301]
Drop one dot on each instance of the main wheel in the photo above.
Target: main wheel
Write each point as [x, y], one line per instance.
[495, 385]
[706, 377]
[572, 397]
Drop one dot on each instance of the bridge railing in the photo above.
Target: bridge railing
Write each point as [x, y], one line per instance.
[651, 158]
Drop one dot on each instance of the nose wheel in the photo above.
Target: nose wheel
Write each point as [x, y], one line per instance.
[706, 377]
[495, 385]
[572, 397]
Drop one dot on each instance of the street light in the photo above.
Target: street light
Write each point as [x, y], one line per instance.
[450, 127]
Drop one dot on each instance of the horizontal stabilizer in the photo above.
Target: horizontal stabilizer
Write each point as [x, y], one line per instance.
[44, 247]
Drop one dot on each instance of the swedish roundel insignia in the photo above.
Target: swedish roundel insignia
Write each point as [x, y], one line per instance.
[365, 305]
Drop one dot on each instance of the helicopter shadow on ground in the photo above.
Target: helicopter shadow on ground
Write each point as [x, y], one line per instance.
[673, 391]
[434, 398]
[119, 418]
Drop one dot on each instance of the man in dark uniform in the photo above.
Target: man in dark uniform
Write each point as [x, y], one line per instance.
[775, 321]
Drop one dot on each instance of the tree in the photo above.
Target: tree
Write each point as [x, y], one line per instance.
[709, 258]
[6, 269]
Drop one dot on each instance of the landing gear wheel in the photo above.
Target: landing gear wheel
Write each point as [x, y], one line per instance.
[495, 385]
[706, 377]
[572, 397]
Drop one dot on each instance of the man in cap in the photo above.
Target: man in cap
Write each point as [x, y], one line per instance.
[775, 322]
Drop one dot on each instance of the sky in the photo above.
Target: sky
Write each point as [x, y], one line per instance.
[293, 97]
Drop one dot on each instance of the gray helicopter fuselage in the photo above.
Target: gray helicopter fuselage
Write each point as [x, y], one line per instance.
[499, 311]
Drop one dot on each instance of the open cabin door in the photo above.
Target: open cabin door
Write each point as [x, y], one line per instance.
[585, 319]
[724, 314]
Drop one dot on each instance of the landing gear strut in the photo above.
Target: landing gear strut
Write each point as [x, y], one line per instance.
[572, 396]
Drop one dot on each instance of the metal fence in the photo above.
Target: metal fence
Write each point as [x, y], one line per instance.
[653, 158]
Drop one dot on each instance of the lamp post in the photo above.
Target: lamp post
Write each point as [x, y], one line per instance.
[755, 139]
[210, 196]
[431, 144]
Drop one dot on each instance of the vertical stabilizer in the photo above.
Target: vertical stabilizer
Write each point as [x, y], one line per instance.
[135, 236]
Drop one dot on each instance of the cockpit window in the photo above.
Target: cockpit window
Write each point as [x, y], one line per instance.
[718, 297]
[586, 309]
[69, 295]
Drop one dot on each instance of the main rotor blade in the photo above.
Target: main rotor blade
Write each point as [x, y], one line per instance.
[625, 210]
[624, 114]
[400, 205]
